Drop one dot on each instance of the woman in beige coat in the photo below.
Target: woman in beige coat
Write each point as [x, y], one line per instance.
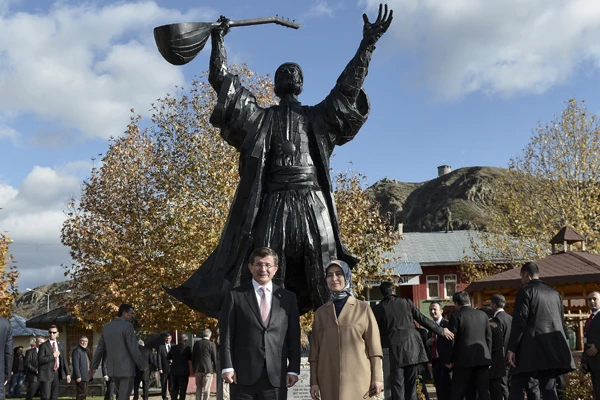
[345, 347]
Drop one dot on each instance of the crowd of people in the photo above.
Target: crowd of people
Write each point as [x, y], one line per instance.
[475, 354]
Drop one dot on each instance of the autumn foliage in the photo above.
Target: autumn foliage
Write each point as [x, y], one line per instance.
[8, 278]
[554, 182]
[154, 209]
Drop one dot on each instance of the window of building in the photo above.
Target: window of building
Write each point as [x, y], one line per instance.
[433, 287]
[449, 285]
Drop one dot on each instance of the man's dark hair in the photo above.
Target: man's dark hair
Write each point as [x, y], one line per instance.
[124, 308]
[52, 326]
[488, 311]
[436, 302]
[499, 300]
[531, 268]
[387, 288]
[461, 298]
[288, 79]
[263, 252]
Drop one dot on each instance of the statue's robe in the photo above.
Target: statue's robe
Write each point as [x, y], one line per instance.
[249, 128]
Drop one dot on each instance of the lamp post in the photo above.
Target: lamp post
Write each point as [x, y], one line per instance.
[48, 296]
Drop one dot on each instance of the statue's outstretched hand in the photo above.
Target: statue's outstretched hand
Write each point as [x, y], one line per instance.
[223, 26]
[373, 31]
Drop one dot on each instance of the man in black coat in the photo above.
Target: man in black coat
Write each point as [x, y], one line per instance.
[180, 356]
[31, 369]
[52, 365]
[441, 350]
[499, 388]
[590, 360]
[204, 362]
[261, 320]
[18, 373]
[6, 356]
[143, 375]
[396, 318]
[538, 345]
[164, 368]
[80, 360]
[472, 351]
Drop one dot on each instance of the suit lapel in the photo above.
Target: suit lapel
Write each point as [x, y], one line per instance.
[275, 303]
[250, 295]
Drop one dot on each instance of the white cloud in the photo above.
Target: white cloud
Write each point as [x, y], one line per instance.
[32, 216]
[83, 67]
[320, 9]
[503, 47]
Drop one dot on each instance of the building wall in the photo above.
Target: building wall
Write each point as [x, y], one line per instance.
[448, 281]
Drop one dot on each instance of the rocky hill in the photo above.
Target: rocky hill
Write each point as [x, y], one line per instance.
[420, 206]
[30, 304]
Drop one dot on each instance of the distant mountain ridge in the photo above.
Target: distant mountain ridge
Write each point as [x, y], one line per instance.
[420, 206]
[30, 304]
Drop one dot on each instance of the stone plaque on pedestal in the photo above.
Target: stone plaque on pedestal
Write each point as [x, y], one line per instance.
[301, 390]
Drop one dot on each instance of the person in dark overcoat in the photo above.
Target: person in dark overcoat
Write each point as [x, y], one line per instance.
[538, 345]
[31, 369]
[80, 360]
[396, 318]
[6, 356]
[440, 349]
[143, 375]
[590, 361]
[498, 367]
[471, 353]
[180, 355]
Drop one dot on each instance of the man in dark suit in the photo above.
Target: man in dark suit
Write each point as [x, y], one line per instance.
[31, 369]
[143, 375]
[472, 351]
[499, 388]
[80, 360]
[204, 362]
[52, 365]
[180, 356]
[260, 334]
[164, 368]
[591, 336]
[440, 350]
[538, 345]
[6, 356]
[396, 318]
[118, 346]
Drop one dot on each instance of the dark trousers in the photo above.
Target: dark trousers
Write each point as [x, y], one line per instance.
[123, 386]
[471, 382]
[49, 389]
[32, 388]
[404, 382]
[180, 384]
[110, 390]
[81, 389]
[519, 383]
[166, 380]
[441, 379]
[261, 390]
[136, 387]
[496, 389]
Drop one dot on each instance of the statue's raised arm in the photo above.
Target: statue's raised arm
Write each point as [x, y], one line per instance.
[218, 55]
[351, 80]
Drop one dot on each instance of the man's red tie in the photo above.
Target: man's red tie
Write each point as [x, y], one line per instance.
[434, 347]
[55, 358]
[587, 325]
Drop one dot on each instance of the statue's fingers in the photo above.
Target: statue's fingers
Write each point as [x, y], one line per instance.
[379, 14]
[389, 20]
[366, 19]
[385, 14]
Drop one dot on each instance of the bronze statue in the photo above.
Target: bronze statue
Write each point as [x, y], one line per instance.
[284, 199]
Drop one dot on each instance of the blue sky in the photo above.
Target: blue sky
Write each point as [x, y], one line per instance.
[459, 82]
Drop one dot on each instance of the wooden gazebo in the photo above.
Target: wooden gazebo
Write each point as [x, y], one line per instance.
[572, 273]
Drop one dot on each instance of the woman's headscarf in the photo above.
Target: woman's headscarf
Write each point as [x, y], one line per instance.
[347, 290]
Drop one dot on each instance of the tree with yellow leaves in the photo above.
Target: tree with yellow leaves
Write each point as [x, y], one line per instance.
[8, 278]
[154, 210]
[554, 182]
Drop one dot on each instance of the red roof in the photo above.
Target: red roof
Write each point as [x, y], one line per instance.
[571, 267]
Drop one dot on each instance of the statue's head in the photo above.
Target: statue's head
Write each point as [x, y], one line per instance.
[288, 79]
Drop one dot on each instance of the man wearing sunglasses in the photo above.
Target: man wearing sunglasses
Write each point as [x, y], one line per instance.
[52, 365]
